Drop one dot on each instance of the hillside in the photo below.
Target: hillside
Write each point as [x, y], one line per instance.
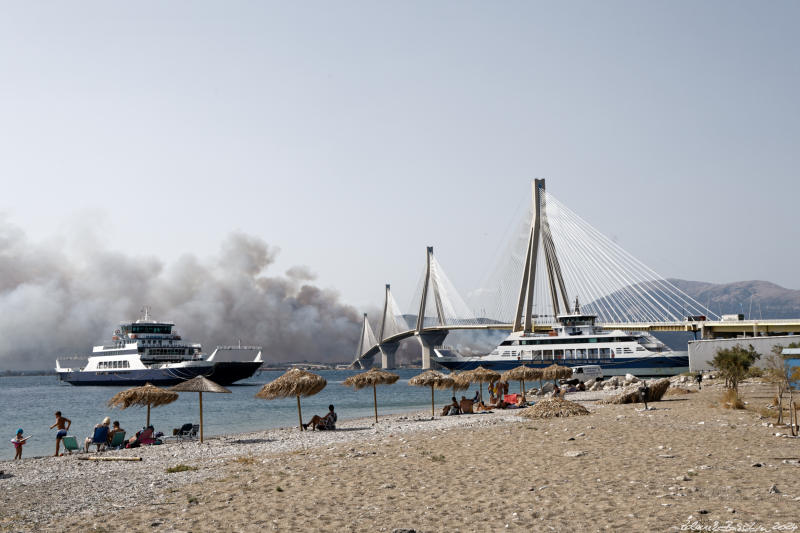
[768, 299]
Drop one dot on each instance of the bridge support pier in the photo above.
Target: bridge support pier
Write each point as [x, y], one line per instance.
[429, 341]
[388, 350]
[365, 363]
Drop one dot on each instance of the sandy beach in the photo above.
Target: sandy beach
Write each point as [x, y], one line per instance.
[684, 465]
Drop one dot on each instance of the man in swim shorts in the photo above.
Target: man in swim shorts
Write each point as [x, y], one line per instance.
[63, 424]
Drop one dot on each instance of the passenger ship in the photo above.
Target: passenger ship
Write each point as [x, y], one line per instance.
[575, 340]
[150, 351]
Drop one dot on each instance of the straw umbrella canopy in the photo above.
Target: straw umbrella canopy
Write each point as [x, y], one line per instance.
[457, 383]
[373, 377]
[521, 373]
[478, 375]
[147, 394]
[555, 372]
[199, 384]
[434, 380]
[295, 382]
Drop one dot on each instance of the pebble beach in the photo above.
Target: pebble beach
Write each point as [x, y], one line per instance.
[684, 464]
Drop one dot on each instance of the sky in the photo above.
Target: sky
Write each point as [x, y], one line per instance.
[349, 136]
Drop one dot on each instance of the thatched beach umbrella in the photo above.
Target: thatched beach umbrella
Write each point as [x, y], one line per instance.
[199, 384]
[555, 372]
[478, 375]
[457, 383]
[521, 373]
[434, 380]
[147, 394]
[295, 382]
[373, 377]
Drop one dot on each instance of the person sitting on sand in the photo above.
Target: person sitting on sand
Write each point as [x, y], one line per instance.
[452, 408]
[18, 441]
[323, 423]
[477, 397]
[581, 386]
[63, 424]
[556, 391]
[90, 439]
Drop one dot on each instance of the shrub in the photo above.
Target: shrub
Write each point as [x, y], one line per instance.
[734, 363]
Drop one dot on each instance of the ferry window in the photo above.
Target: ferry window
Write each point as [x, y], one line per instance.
[568, 353]
[580, 353]
[593, 352]
[559, 353]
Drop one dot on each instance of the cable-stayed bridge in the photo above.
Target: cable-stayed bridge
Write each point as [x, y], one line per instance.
[555, 260]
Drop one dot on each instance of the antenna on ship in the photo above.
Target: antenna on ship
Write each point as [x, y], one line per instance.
[146, 312]
[577, 306]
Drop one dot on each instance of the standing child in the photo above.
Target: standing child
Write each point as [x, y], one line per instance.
[19, 441]
[63, 424]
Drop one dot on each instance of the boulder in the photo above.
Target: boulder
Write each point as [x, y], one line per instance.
[630, 378]
[597, 385]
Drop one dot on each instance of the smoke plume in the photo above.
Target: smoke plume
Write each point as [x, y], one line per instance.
[58, 299]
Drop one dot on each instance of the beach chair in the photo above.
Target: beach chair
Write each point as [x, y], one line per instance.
[70, 443]
[118, 440]
[100, 438]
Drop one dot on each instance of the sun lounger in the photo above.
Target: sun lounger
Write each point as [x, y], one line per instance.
[70, 443]
[511, 398]
[118, 440]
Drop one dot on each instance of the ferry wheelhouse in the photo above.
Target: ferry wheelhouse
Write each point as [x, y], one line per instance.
[150, 351]
[576, 340]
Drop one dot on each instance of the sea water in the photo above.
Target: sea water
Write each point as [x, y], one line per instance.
[30, 403]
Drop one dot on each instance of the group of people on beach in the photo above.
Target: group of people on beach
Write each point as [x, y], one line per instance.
[107, 431]
[498, 399]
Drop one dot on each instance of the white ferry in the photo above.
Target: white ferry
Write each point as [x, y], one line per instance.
[150, 351]
[575, 341]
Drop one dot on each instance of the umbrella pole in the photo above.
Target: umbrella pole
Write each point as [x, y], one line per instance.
[432, 412]
[522, 385]
[480, 391]
[299, 413]
[201, 416]
[148, 416]
[375, 402]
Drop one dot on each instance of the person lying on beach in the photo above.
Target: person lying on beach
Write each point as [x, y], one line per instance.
[90, 439]
[323, 423]
[142, 437]
[63, 424]
[18, 441]
[452, 408]
[480, 406]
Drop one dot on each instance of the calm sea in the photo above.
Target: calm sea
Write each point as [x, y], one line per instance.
[30, 403]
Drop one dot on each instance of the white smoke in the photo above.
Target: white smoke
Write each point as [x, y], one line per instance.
[59, 298]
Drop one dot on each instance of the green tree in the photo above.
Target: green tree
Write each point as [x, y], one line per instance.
[733, 364]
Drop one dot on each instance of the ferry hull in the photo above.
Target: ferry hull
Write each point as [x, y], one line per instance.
[619, 366]
[224, 373]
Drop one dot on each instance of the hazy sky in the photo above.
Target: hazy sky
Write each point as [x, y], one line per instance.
[351, 135]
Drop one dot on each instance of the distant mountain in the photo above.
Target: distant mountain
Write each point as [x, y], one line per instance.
[755, 299]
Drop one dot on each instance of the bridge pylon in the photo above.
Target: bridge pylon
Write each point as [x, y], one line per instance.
[540, 237]
[365, 343]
